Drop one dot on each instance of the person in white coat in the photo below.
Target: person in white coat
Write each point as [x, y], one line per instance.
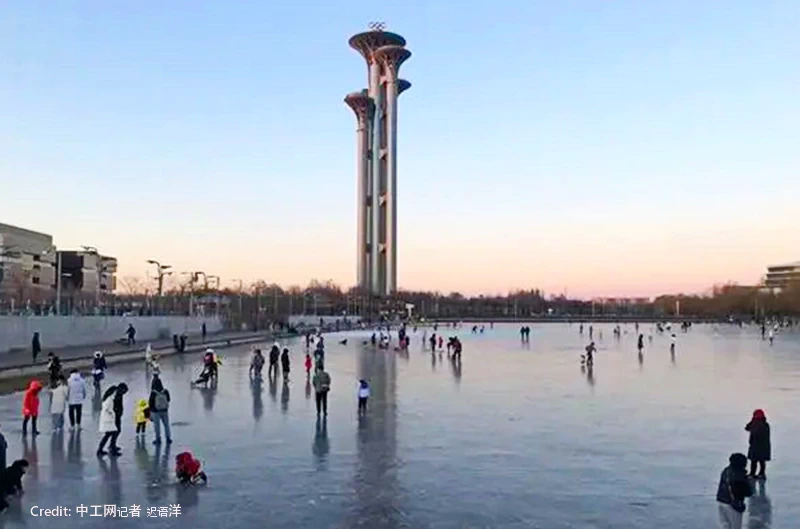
[107, 424]
[76, 394]
[58, 403]
[110, 424]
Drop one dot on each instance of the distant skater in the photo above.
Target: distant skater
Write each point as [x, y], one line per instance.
[591, 332]
[433, 342]
[36, 346]
[363, 396]
[640, 343]
[771, 336]
[308, 364]
[760, 450]
[285, 364]
[673, 339]
[131, 334]
[274, 356]
[588, 359]
[257, 364]
[322, 385]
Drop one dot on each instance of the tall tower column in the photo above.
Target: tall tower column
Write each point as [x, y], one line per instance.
[384, 52]
[391, 58]
[362, 107]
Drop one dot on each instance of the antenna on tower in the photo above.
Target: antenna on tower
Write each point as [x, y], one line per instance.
[377, 26]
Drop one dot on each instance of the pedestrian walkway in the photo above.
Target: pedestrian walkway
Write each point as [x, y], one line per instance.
[20, 359]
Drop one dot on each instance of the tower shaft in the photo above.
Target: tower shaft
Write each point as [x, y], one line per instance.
[377, 160]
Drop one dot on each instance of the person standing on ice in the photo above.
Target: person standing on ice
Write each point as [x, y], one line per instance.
[732, 490]
[322, 385]
[640, 344]
[274, 356]
[285, 364]
[760, 445]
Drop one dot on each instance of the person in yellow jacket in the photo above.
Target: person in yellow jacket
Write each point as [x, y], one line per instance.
[140, 416]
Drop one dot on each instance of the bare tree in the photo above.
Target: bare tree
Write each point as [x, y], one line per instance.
[133, 286]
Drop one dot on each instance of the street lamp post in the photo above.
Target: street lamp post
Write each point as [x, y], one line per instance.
[217, 282]
[161, 271]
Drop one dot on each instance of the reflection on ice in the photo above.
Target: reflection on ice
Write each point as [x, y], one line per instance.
[517, 434]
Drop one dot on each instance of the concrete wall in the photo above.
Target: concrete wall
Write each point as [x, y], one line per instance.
[313, 321]
[64, 331]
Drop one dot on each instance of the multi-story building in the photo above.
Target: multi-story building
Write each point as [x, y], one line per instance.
[27, 264]
[87, 273]
[780, 276]
[28, 269]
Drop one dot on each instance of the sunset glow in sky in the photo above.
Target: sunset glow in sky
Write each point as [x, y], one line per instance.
[598, 148]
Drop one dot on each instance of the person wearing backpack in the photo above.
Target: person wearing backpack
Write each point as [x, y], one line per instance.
[159, 410]
[322, 385]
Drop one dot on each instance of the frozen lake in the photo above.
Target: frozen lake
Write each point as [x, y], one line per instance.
[519, 437]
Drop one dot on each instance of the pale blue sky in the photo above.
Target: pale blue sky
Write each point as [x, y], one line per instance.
[601, 147]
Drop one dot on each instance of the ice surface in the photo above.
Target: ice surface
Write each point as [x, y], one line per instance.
[519, 437]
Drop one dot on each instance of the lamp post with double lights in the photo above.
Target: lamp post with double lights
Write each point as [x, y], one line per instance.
[161, 271]
[216, 288]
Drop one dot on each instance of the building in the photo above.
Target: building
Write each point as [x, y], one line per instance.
[87, 273]
[780, 276]
[27, 264]
[376, 135]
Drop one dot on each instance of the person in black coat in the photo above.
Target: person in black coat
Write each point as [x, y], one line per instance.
[732, 490]
[760, 446]
[11, 481]
[285, 364]
[36, 346]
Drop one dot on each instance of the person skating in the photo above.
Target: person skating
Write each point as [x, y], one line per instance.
[363, 396]
[257, 364]
[760, 450]
[640, 343]
[322, 385]
[30, 407]
[588, 359]
[58, 403]
[319, 357]
[159, 410]
[36, 346]
[99, 367]
[285, 364]
[131, 334]
[274, 356]
[53, 368]
[732, 490]
[308, 364]
[111, 419]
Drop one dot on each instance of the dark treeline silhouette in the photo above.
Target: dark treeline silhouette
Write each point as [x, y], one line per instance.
[261, 303]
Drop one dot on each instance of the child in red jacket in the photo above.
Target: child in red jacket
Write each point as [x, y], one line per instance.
[187, 469]
[30, 407]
